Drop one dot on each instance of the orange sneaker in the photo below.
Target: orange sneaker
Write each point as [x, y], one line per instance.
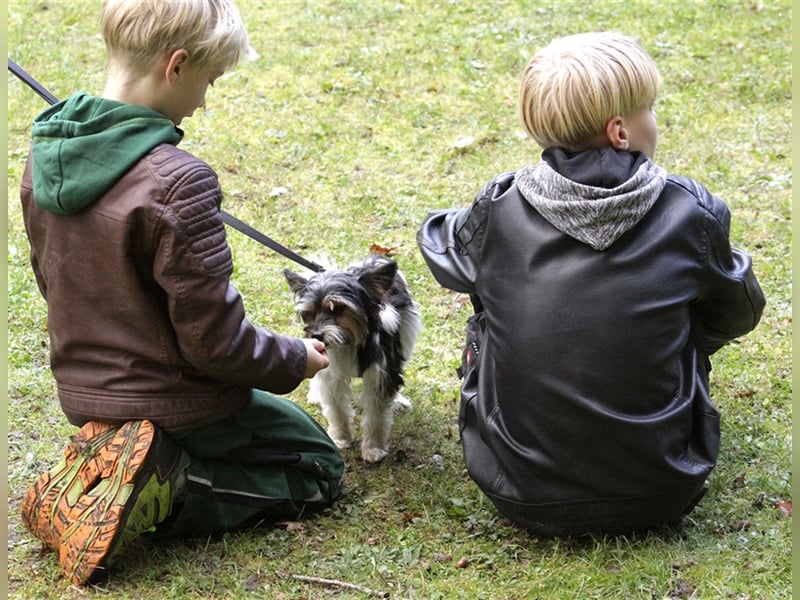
[63, 481]
[128, 490]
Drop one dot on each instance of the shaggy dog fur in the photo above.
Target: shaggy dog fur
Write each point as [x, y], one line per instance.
[368, 320]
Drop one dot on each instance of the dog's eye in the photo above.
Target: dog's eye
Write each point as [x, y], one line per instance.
[307, 316]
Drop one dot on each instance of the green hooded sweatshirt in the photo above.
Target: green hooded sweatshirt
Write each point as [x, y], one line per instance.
[83, 145]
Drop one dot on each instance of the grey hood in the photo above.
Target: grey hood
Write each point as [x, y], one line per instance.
[592, 200]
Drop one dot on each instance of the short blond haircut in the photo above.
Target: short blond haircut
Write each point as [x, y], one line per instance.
[141, 31]
[572, 87]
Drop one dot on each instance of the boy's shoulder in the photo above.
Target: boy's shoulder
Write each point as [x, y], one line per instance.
[496, 187]
[170, 166]
[168, 156]
[687, 184]
[502, 182]
[710, 205]
[165, 175]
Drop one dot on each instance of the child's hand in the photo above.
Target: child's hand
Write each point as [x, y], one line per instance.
[316, 356]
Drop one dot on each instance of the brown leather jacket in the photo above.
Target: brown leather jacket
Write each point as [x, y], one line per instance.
[142, 317]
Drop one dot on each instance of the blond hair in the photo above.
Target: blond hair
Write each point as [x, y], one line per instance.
[140, 31]
[572, 87]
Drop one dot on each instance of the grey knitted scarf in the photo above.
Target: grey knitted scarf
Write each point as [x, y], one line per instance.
[593, 215]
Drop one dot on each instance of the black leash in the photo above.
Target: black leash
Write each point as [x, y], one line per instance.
[255, 234]
[227, 218]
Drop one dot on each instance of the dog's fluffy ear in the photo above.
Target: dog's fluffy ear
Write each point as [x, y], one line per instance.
[378, 279]
[296, 282]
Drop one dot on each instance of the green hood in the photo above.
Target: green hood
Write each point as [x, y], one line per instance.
[83, 145]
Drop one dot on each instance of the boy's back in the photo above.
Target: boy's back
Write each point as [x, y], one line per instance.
[604, 287]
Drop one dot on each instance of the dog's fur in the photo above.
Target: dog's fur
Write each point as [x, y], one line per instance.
[368, 320]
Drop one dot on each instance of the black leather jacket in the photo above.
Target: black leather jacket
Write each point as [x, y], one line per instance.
[589, 409]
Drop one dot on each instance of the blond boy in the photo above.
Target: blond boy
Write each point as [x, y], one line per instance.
[602, 286]
[153, 356]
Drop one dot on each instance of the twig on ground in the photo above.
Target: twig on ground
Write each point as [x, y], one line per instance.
[342, 584]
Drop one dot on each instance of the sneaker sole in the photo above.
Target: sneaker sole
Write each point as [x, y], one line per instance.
[103, 520]
[62, 482]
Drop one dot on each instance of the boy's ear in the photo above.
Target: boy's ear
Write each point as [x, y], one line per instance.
[616, 133]
[175, 61]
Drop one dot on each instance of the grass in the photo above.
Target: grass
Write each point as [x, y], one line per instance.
[342, 134]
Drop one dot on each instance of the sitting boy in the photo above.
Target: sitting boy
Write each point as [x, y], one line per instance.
[602, 287]
[150, 347]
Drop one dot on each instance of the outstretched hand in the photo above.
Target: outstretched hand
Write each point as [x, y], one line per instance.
[316, 356]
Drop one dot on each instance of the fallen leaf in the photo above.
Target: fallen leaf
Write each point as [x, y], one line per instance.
[382, 250]
[785, 507]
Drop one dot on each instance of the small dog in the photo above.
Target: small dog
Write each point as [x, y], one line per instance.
[368, 320]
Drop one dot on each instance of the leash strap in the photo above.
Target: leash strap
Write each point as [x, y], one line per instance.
[23, 75]
[269, 242]
[227, 218]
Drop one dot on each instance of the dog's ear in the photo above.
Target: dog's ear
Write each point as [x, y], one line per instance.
[296, 282]
[378, 278]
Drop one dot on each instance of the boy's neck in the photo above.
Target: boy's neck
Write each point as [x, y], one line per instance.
[133, 86]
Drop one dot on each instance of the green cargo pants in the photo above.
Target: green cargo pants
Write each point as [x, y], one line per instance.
[271, 461]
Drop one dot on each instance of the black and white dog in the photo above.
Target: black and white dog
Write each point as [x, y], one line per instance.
[368, 320]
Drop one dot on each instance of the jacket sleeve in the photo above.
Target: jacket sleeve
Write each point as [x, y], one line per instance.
[193, 265]
[451, 240]
[731, 301]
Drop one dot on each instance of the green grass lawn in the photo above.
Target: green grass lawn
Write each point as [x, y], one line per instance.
[355, 121]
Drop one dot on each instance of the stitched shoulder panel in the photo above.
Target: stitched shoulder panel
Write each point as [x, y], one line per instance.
[193, 196]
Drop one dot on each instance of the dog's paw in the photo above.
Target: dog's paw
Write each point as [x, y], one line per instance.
[401, 401]
[371, 454]
[340, 438]
[341, 442]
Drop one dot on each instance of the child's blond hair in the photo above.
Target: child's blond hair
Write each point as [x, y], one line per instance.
[573, 86]
[138, 32]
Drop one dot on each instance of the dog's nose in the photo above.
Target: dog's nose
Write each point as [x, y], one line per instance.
[318, 336]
